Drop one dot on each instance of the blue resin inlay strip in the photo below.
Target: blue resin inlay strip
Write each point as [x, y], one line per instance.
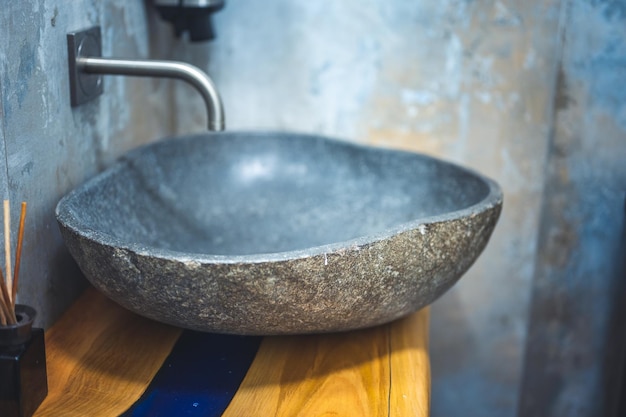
[199, 377]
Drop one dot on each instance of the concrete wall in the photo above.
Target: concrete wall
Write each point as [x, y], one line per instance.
[47, 147]
[528, 93]
[470, 82]
[576, 326]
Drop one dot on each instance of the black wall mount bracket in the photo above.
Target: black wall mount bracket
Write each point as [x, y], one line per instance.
[84, 86]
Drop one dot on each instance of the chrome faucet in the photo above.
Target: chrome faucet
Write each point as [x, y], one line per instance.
[87, 66]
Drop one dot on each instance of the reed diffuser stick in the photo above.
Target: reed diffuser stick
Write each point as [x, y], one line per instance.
[3, 320]
[7, 248]
[6, 318]
[18, 254]
[5, 302]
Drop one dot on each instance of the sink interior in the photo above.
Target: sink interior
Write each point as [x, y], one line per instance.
[267, 193]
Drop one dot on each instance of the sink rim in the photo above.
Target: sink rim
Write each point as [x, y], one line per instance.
[493, 197]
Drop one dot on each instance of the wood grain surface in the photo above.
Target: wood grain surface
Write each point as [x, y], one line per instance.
[410, 366]
[382, 371]
[101, 358]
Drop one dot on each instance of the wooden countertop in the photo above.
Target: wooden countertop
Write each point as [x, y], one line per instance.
[101, 358]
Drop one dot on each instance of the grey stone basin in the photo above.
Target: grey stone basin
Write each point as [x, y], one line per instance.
[277, 233]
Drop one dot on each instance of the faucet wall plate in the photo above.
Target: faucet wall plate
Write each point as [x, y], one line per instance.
[84, 87]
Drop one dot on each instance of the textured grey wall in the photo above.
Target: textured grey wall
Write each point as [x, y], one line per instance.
[529, 93]
[481, 83]
[471, 82]
[49, 147]
[576, 324]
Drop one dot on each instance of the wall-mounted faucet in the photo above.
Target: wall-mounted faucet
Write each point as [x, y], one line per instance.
[87, 66]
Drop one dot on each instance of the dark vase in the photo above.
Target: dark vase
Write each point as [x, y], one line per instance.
[23, 378]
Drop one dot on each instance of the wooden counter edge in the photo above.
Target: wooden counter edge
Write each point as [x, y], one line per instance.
[101, 358]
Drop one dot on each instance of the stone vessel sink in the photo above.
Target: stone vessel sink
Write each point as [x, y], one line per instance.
[277, 233]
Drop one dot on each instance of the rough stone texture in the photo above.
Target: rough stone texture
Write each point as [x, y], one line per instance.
[277, 233]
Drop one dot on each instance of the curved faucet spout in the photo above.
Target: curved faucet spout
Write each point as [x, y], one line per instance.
[168, 69]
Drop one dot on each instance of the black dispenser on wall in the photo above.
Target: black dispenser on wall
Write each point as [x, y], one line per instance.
[193, 16]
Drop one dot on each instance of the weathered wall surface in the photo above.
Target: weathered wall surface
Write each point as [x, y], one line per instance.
[51, 148]
[467, 81]
[575, 323]
[528, 93]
